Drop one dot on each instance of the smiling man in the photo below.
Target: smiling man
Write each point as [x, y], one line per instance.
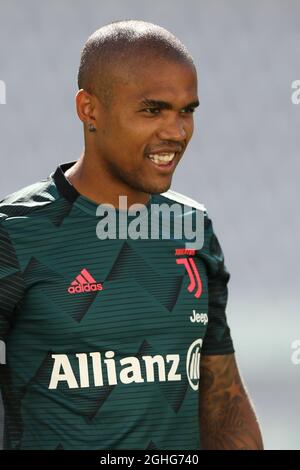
[113, 343]
[137, 94]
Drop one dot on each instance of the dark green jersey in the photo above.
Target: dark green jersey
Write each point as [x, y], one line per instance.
[103, 337]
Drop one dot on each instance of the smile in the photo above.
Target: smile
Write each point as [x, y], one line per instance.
[162, 159]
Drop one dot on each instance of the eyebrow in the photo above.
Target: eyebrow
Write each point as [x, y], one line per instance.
[165, 105]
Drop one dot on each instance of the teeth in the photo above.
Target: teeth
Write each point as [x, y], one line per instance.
[162, 158]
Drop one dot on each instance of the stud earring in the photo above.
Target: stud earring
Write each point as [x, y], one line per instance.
[91, 128]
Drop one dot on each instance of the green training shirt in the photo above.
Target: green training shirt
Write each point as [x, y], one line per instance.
[103, 338]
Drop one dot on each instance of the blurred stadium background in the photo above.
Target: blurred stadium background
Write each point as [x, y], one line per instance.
[242, 163]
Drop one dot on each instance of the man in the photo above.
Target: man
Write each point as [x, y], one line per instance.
[104, 337]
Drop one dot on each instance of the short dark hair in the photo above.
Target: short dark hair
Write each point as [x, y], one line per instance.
[119, 43]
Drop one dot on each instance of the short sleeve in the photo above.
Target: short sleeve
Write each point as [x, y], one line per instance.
[218, 338]
[11, 283]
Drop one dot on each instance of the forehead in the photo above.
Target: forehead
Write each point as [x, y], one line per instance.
[160, 80]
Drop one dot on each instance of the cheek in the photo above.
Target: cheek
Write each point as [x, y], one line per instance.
[136, 136]
[190, 127]
[127, 131]
[126, 137]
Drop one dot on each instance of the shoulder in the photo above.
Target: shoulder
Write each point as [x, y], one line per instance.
[173, 197]
[28, 200]
[211, 247]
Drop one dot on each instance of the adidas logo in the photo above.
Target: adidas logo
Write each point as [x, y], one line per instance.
[84, 282]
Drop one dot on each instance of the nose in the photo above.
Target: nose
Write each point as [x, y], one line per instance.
[173, 129]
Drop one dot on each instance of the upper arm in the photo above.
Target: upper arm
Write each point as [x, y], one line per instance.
[11, 283]
[217, 339]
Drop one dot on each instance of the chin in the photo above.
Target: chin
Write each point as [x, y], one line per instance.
[159, 188]
[150, 187]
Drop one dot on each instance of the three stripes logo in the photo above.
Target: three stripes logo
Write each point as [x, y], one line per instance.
[84, 282]
[192, 270]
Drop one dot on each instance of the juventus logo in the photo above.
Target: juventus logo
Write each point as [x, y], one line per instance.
[192, 270]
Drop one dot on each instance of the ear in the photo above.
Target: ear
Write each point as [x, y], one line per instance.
[87, 106]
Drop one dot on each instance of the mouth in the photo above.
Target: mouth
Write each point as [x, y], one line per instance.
[164, 161]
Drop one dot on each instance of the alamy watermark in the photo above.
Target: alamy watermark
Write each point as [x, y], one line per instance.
[295, 357]
[156, 221]
[2, 352]
[2, 92]
[295, 97]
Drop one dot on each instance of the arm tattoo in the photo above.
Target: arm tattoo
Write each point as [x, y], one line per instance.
[227, 420]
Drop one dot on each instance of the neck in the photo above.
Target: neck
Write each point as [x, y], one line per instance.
[93, 181]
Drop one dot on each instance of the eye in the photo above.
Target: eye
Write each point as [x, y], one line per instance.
[152, 110]
[189, 110]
